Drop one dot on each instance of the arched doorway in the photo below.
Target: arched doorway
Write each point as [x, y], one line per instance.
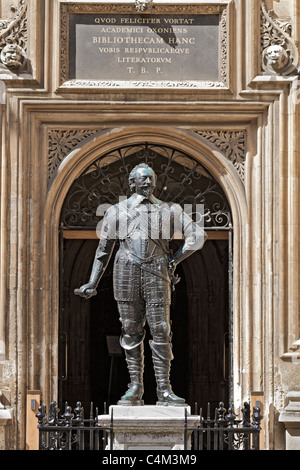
[88, 369]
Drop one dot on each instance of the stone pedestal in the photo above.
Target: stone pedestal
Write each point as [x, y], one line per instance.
[149, 427]
[5, 419]
[291, 419]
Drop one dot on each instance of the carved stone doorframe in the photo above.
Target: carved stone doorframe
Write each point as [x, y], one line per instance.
[190, 143]
[256, 199]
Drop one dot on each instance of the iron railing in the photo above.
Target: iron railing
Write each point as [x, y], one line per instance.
[71, 431]
[225, 431]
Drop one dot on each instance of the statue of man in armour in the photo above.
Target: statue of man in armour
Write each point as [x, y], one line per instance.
[143, 277]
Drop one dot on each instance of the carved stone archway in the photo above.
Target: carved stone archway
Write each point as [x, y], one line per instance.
[78, 160]
[200, 303]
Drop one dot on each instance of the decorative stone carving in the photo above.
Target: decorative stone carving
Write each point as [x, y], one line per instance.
[224, 48]
[140, 84]
[61, 142]
[279, 51]
[142, 5]
[232, 144]
[275, 59]
[13, 40]
[73, 7]
[13, 56]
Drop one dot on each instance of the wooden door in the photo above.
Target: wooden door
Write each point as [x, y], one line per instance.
[200, 318]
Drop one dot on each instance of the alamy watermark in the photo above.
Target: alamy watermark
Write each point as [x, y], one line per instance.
[120, 221]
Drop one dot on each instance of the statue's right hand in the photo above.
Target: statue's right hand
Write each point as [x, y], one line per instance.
[86, 291]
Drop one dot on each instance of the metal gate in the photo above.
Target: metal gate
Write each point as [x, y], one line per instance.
[71, 431]
[226, 431]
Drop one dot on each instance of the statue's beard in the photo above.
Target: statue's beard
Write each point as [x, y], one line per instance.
[147, 191]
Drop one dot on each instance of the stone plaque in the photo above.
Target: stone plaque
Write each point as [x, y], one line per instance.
[171, 45]
[125, 47]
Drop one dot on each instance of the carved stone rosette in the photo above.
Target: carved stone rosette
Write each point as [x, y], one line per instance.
[142, 5]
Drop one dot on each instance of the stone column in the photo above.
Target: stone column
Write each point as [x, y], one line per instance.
[3, 268]
[291, 419]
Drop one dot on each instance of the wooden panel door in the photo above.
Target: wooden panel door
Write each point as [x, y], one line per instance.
[199, 316]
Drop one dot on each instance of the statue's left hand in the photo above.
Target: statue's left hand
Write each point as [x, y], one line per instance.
[87, 291]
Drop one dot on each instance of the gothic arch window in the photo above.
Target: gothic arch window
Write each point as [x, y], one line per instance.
[181, 179]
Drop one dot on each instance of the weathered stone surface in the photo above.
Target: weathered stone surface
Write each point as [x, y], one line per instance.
[134, 47]
[149, 427]
[263, 193]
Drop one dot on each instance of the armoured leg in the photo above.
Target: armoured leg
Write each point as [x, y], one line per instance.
[158, 319]
[135, 364]
[132, 342]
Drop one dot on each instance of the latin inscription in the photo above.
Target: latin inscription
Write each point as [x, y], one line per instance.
[158, 47]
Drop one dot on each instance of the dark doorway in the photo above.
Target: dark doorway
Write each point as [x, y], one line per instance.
[200, 308]
[200, 329]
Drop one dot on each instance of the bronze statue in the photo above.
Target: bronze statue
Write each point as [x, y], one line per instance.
[143, 277]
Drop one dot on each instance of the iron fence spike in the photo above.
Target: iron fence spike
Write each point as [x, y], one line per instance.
[227, 432]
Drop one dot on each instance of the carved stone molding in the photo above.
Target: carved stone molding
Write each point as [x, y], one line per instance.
[61, 142]
[224, 59]
[277, 32]
[140, 84]
[13, 36]
[130, 8]
[232, 144]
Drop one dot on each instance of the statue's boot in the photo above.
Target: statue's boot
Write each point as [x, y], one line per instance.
[135, 363]
[162, 356]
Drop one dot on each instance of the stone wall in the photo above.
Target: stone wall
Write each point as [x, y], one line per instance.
[40, 104]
